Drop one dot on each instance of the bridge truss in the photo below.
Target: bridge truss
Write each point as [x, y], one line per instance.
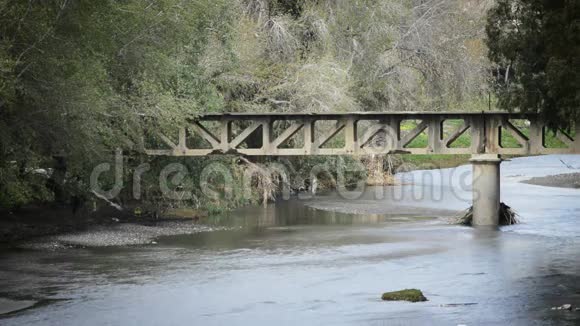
[365, 133]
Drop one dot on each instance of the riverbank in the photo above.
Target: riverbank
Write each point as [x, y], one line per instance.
[571, 180]
[56, 222]
[122, 234]
[60, 223]
[56, 228]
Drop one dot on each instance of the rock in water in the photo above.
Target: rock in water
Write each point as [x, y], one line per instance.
[411, 295]
[564, 307]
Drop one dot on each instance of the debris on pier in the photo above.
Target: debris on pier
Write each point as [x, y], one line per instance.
[507, 216]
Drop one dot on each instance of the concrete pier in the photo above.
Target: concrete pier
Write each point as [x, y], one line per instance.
[486, 189]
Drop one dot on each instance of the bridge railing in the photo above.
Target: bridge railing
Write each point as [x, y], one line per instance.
[366, 133]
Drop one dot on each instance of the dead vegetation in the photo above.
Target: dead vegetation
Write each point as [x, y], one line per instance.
[507, 216]
[320, 56]
[264, 181]
[380, 170]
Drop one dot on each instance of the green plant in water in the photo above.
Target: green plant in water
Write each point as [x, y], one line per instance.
[411, 295]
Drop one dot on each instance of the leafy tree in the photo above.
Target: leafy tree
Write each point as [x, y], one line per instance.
[536, 47]
[79, 78]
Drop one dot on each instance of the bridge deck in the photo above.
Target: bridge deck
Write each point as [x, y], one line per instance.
[363, 133]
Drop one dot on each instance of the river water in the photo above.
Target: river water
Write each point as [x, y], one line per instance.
[327, 261]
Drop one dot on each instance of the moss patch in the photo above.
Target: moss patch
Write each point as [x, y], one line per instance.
[411, 295]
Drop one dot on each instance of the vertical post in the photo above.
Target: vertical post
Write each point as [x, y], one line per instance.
[351, 136]
[225, 133]
[182, 141]
[267, 132]
[536, 136]
[493, 126]
[436, 135]
[393, 134]
[477, 124]
[486, 189]
[309, 137]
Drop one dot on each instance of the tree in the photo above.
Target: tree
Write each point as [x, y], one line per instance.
[535, 45]
[78, 77]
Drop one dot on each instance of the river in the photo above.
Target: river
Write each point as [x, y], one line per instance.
[327, 260]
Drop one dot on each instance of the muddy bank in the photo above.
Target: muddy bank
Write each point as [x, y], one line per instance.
[38, 221]
[43, 221]
[571, 180]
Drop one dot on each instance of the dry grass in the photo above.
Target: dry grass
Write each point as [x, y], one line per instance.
[379, 171]
[386, 179]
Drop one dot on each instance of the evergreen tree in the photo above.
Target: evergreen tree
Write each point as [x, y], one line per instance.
[536, 47]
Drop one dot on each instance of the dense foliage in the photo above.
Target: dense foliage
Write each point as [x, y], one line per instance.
[79, 78]
[536, 46]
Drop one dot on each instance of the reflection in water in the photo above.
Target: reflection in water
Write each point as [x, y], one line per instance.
[289, 262]
[288, 213]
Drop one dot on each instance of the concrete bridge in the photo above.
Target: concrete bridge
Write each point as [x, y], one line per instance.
[371, 133]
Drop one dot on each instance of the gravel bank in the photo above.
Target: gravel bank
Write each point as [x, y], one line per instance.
[123, 234]
[571, 180]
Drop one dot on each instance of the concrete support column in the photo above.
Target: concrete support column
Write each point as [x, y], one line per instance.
[486, 189]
